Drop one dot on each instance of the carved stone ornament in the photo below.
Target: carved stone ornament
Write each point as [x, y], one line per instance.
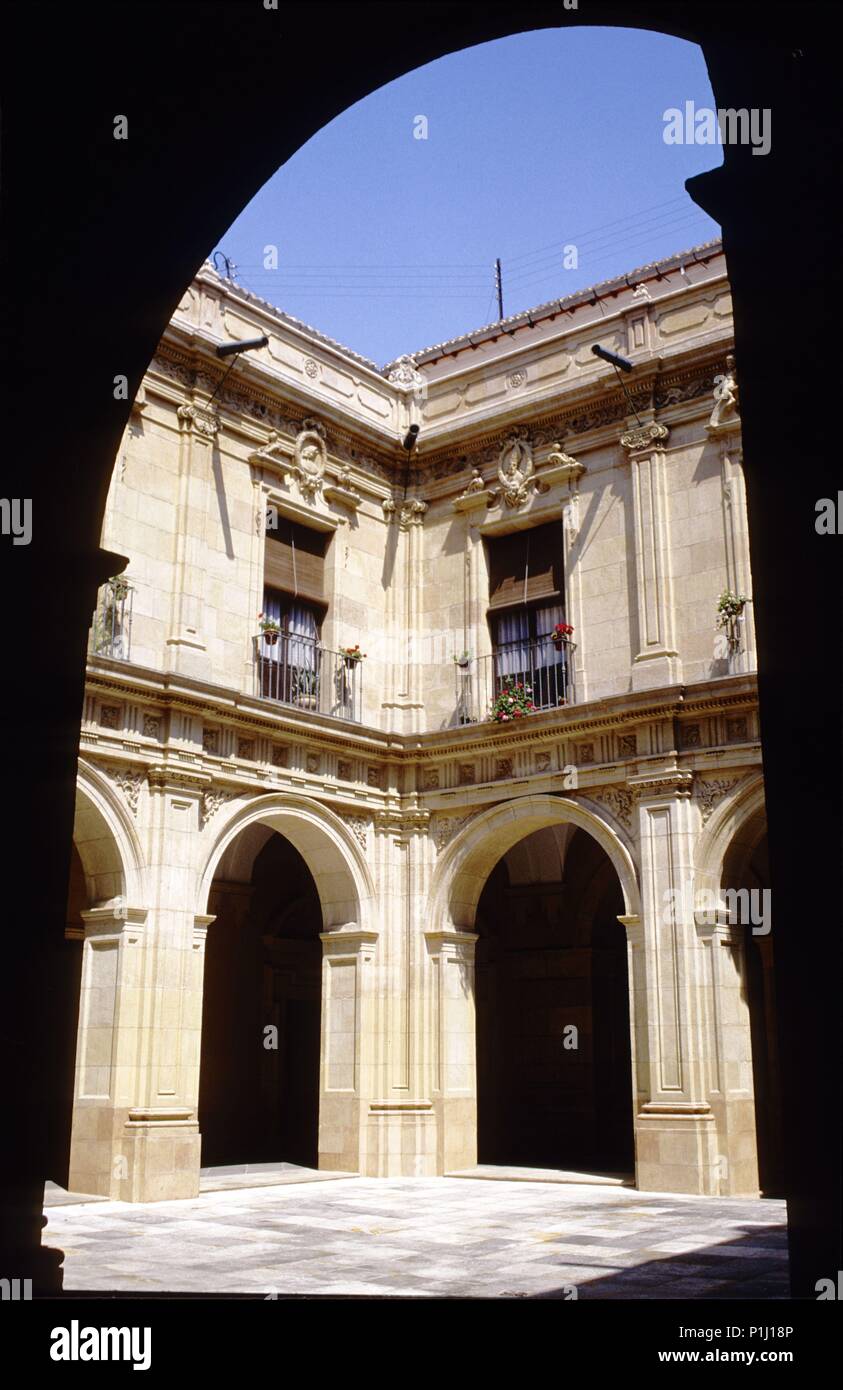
[359, 827]
[617, 801]
[446, 827]
[725, 410]
[129, 784]
[197, 419]
[343, 490]
[212, 800]
[311, 455]
[406, 375]
[410, 513]
[275, 451]
[516, 468]
[710, 793]
[475, 494]
[645, 436]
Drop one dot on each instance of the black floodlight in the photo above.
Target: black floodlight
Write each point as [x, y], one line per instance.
[410, 438]
[611, 357]
[228, 349]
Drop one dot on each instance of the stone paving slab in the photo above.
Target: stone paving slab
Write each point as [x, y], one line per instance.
[418, 1237]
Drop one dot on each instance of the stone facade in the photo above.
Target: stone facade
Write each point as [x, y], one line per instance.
[402, 802]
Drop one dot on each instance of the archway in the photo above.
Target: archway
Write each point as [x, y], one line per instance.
[556, 852]
[287, 898]
[554, 1064]
[261, 1011]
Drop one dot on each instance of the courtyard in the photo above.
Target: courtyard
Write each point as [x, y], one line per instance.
[422, 1237]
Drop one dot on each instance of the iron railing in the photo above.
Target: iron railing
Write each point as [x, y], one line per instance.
[299, 671]
[545, 665]
[111, 629]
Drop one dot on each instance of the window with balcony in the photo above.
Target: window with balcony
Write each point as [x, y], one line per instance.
[526, 603]
[293, 666]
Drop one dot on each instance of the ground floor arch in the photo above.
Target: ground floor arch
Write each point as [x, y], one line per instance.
[554, 1061]
[261, 1007]
[287, 909]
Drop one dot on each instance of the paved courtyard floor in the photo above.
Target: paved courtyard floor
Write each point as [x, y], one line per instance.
[455, 1237]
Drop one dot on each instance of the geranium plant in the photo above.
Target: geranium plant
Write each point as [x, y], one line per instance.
[267, 624]
[562, 630]
[352, 653]
[513, 702]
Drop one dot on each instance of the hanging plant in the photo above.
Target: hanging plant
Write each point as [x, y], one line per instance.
[730, 606]
[270, 629]
[463, 660]
[561, 634]
[352, 654]
[119, 588]
[513, 702]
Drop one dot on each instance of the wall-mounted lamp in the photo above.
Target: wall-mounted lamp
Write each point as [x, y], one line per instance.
[227, 349]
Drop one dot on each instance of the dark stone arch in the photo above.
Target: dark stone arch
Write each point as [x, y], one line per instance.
[109, 275]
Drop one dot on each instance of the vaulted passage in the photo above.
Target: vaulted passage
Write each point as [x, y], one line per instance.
[263, 963]
[554, 1072]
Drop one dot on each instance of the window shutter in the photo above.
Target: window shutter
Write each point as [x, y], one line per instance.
[295, 560]
[525, 566]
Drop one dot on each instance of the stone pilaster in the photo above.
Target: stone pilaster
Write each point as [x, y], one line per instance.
[164, 1122]
[675, 1130]
[657, 660]
[727, 1049]
[451, 1030]
[403, 694]
[113, 1007]
[401, 1132]
[186, 643]
[347, 1053]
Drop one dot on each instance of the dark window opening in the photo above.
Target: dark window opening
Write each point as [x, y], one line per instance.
[526, 603]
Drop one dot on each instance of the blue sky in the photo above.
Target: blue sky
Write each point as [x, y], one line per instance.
[544, 140]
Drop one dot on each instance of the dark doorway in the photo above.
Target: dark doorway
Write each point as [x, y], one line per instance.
[263, 969]
[551, 957]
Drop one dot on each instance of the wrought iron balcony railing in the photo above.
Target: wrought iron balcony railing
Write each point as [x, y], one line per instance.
[299, 671]
[111, 629]
[545, 666]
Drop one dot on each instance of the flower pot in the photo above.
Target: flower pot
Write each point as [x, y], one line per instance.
[464, 665]
[270, 638]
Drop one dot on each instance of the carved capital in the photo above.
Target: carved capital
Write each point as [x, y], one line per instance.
[198, 420]
[645, 437]
[410, 513]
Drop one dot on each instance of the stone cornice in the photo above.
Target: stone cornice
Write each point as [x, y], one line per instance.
[251, 715]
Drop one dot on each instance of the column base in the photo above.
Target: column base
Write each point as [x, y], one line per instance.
[676, 1150]
[653, 669]
[134, 1155]
[400, 1140]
